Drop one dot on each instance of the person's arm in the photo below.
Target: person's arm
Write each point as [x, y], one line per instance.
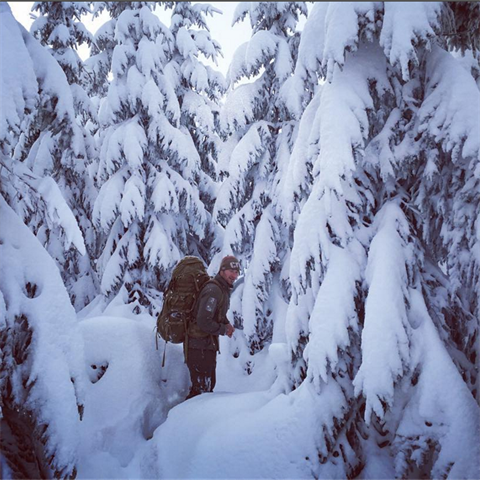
[207, 308]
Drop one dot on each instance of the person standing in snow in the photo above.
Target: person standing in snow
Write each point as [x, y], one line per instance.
[210, 321]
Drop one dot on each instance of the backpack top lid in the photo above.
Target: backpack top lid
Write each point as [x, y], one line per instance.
[188, 262]
[189, 271]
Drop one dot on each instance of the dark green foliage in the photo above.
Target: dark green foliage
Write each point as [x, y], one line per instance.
[462, 26]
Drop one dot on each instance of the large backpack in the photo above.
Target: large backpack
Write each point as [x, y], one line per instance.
[188, 278]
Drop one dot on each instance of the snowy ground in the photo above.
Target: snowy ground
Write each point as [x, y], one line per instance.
[141, 426]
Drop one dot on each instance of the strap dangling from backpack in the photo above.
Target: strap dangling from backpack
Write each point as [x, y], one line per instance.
[185, 348]
[164, 354]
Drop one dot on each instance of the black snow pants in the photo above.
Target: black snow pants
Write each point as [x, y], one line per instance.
[202, 364]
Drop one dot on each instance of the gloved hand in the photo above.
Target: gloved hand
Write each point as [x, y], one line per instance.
[229, 330]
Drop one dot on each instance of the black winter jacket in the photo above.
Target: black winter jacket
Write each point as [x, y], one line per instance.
[210, 314]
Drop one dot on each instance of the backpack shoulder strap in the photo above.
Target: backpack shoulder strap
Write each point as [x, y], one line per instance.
[212, 281]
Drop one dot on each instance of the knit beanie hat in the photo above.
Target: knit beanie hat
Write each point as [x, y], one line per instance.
[230, 263]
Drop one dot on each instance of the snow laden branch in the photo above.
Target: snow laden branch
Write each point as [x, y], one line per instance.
[339, 28]
[385, 336]
[448, 118]
[54, 205]
[330, 215]
[435, 418]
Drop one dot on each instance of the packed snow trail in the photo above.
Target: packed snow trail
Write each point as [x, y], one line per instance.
[141, 424]
[228, 435]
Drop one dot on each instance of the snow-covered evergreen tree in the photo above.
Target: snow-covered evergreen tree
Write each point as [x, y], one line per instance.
[59, 26]
[383, 220]
[38, 120]
[199, 89]
[99, 63]
[42, 378]
[259, 132]
[156, 116]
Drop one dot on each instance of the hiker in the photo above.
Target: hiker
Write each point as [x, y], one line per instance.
[208, 322]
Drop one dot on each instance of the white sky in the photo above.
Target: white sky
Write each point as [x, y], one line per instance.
[220, 27]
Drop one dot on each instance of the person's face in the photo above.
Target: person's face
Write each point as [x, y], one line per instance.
[229, 276]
